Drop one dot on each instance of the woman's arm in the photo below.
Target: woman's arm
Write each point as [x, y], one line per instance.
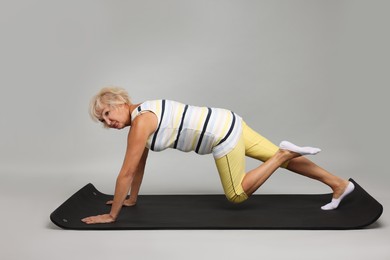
[136, 184]
[142, 127]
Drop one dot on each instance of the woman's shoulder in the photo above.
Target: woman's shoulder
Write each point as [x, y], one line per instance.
[159, 104]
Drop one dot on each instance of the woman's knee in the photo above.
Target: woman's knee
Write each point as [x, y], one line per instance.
[237, 198]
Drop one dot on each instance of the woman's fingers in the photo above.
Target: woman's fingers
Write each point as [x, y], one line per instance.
[127, 203]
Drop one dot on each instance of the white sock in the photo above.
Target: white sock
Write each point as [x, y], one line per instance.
[285, 145]
[335, 202]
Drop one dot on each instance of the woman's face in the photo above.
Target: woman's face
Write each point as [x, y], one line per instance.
[116, 117]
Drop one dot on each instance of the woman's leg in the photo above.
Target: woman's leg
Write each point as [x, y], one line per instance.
[340, 187]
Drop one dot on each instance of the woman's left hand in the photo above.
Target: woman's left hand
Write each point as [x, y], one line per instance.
[105, 218]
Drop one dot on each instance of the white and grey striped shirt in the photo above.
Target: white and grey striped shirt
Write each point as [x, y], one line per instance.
[190, 128]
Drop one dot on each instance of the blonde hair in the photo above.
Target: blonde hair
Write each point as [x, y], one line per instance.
[111, 96]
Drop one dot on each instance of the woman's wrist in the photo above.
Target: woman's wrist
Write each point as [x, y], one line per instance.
[113, 216]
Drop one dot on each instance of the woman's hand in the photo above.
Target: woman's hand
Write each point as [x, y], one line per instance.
[105, 218]
[126, 203]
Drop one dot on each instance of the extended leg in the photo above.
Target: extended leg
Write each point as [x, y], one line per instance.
[340, 187]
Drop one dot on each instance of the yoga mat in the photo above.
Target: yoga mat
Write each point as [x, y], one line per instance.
[285, 211]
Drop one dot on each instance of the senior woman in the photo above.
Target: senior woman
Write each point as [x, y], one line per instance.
[159, 124]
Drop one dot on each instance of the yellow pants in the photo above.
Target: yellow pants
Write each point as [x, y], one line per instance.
[231, 167]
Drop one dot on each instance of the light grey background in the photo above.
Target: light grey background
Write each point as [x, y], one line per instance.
[313, 72]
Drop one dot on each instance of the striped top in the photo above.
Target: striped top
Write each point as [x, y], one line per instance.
[190, 128]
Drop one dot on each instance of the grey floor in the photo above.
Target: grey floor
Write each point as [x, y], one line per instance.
[27, 233]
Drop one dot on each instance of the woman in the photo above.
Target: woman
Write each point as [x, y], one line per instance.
[161, 124]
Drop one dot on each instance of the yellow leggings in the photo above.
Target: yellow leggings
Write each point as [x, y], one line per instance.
[231, 167]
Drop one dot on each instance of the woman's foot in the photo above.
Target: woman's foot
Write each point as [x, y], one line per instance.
[285, 145]
[339, 195]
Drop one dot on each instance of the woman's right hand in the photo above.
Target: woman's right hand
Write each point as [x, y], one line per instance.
[126, 203]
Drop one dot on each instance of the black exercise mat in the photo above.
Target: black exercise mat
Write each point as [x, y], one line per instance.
[290, 211]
